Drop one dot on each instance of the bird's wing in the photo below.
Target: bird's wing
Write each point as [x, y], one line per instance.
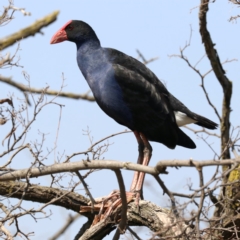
[140, 93]
[130, 63]
[175, 105]
[150, 109]
[148, 101]
[140, 86]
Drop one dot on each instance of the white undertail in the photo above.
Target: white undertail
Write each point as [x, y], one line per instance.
[182, 119]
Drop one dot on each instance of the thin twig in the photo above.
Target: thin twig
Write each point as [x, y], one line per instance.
[145, 61]
[24, 88]
[202, 130]
[197, 218]
[71, 219]
[105, 138]
[133, 233]
[122, 225]
[169, 193]
[86, 189]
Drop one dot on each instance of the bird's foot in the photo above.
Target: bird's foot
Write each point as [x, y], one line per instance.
[108, 206]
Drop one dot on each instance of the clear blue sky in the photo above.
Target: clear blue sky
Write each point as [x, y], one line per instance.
[157, 29]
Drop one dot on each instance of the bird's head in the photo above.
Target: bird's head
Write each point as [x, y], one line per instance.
[74, 31]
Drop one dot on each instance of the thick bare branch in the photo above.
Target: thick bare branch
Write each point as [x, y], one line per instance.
[28, 31]
[111, 164]
[75, 166]
[73, 201]
[162, 222]
[221, 76]
[41, 194]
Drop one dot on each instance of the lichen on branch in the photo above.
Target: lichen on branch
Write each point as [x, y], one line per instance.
[28, 31]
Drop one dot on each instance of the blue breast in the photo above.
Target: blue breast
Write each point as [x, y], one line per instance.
[99, 74]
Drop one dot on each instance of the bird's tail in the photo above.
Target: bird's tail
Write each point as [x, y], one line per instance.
[204, 122]
[184, 140]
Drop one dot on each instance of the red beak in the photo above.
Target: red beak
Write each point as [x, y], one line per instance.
[60, 35]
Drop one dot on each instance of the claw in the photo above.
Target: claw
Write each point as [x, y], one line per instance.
[108, 206]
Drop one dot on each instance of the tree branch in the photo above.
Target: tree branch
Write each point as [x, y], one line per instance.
[24, 88]
[75, 166]
[63, 229]
[41, 194]
[111, 165]
[221, 76]
[122, 225]
[163, 219]
[162, 222]
[88, 193]
[28, 31]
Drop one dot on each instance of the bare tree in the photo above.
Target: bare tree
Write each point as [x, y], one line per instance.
[17, 185]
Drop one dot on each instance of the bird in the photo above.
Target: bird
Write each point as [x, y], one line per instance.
[130, 93]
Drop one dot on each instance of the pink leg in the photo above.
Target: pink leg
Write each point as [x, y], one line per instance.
[140, 160]
[147, 153]
[112, 202]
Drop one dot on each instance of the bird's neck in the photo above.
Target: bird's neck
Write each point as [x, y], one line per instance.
[91, 60]
[88, 46]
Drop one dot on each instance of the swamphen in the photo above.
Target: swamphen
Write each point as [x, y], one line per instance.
[127, 91]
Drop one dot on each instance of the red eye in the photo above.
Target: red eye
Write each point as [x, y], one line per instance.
[69, 28]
